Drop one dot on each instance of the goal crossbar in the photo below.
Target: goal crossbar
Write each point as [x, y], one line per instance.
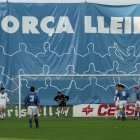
[79, 75]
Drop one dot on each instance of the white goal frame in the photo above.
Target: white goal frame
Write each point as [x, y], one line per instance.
[20, 76]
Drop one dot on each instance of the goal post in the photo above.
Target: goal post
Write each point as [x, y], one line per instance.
[82, 82]
[19, 85]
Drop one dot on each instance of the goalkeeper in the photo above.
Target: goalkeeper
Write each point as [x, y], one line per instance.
[61, 99]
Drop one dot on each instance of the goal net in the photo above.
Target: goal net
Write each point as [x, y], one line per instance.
[81, 89]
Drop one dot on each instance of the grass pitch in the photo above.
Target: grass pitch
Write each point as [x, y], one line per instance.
[70, 129]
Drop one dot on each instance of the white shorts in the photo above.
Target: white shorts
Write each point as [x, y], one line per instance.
[33, 110]
[137, 104]
[2, 106]
[122, 104]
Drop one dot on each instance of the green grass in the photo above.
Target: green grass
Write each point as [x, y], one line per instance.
[70, 129]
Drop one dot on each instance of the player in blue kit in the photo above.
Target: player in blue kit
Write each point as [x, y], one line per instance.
[117, 110]
[123, 98]
[32, 102]
[137, 105]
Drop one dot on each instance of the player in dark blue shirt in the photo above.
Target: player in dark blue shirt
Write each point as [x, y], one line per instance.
[61, 99]
[32, 102]
[137, 105]
[123, 97]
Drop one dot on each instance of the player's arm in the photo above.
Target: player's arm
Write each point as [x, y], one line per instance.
[57, 99]
[139, 97]
[38, 105]
[116, 96]
[38, 102]
[66, 98]
[128, 97]
[7, 99]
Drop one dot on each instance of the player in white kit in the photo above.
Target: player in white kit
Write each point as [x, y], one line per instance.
[117, 109]
[3, 101]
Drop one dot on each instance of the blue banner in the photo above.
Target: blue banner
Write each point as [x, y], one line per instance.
[67, 39]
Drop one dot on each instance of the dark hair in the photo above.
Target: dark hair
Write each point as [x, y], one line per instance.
[122, 86]
[59, 92]
[32, 89]
[117, 85]
[136, 87]
[2, 88]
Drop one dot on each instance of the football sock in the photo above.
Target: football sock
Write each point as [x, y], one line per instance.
[66, 114]
[136, 112]
[58, 113]
[123, 114]
[116, 116]
[30, 122]
[1, 115]
[117, 113]
[36, 122]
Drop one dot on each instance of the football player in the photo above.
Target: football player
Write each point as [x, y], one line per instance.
[32, 102]
[3, 101]
[61, 99]
[123, 98]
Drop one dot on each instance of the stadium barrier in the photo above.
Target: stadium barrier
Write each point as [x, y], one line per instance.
[46, 111]
[100, 110]
[82, 110]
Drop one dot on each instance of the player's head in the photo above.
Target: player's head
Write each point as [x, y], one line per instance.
[2, 90]
[32, 89]
[59, 93]
[136, 89]
[122, 87]
[117, 86]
